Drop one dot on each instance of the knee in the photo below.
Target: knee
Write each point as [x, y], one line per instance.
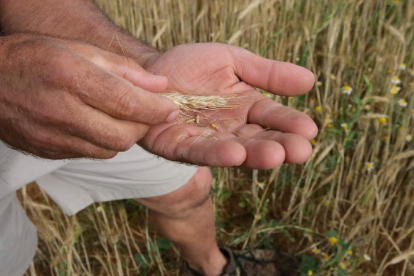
[183, 201]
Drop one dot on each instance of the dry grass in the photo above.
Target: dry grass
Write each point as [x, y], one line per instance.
[358, 43]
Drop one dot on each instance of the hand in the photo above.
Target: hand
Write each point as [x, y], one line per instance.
[64, 99]
[260, 134]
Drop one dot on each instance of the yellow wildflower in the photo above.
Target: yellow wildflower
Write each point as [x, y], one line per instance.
[382, 120]
[395, 89]
[316, 250]
[333, 77]
[261, 185]
[367, 107]
[327, 203]
[408, 138]
[333, 240]
[318, 109]
[395, 80]
[403, 66]
[369, 166]
[99, 209]
[326, 256]
[310, 272]
[342, 265]
[345, 127]
[319, 83]
[402, 102]
[313, 142]
[349, 252]
[267, 95]
[347, 90]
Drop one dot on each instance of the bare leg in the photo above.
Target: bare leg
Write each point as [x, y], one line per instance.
[186, 218]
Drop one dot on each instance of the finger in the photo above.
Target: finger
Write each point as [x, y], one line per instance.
[99, 128]
[262, 154]
[297, 149]
[192, 144]
[121, 66]
[54, 144]
[281, 78]
[270, 114]
[119, 98]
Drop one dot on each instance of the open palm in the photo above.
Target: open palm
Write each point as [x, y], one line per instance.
[260, 133]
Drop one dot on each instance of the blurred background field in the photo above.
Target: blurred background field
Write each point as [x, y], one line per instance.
[349, 210]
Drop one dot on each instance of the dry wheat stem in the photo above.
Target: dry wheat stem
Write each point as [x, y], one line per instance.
[194, 103]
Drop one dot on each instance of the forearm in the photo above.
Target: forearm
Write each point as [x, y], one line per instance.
[74, 19]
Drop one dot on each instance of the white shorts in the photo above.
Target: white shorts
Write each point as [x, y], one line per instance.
[73, 185]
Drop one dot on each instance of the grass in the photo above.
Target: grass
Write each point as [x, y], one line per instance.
[349, 210]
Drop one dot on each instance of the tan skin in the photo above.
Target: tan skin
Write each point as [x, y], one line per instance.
[64, 99]
[260, 134]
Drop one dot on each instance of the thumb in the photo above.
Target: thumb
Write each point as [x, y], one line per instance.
[122, 66]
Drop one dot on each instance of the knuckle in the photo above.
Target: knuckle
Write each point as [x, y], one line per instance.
[125, 105]
[57, 69]
[123, 142]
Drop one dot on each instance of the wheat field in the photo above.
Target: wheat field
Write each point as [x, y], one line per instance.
[349, 210]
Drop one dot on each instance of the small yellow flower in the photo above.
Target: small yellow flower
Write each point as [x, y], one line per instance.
[347, 90]
[389, 72]
[369, 166]
[316, 250]
[319, 83]
[402, 102]
[99, 209]
[267, 95]
[382, 120]
[386, 138]
[329, 126]
[327, 203]
[396, 2]
[367, 107]
[395, 80]
[408, 138]
[326, 256]
[313, 142]
[349, 252]
[257, 217]
[310, 272]
[345, 127]
[333, 77]
[318, 109]
[403, 66]
[333, 240]
[342, 265]
[261, 185]
[395, 89]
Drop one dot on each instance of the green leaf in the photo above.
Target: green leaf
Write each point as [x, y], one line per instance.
[163, 244]
[332, 233]
[142, 260]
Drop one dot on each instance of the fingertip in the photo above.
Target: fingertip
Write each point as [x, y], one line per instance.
[308, 80]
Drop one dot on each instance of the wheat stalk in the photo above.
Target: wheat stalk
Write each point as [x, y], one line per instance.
[196, 104]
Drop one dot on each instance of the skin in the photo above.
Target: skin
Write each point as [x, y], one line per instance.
[202, 69]
[260, 134]
[79, 101]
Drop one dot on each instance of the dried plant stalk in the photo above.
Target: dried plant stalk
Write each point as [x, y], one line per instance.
[193, 103]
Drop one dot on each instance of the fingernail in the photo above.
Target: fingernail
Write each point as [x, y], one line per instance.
[172, 117]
